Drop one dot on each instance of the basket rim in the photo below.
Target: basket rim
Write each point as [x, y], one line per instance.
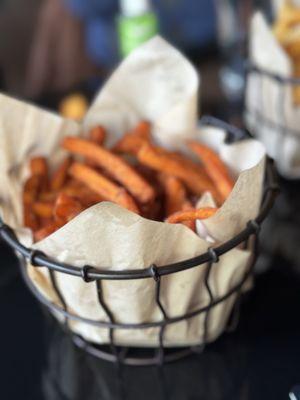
[250, 66]
[255, 112]
[89, 273]
[135, 325]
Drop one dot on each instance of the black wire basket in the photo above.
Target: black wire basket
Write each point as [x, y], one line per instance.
[257, 119]
[247, 238]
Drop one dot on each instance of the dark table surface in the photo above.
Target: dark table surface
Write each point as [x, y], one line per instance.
[260, 360]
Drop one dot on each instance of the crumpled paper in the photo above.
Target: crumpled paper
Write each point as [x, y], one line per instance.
[268, 100]
[156, 83]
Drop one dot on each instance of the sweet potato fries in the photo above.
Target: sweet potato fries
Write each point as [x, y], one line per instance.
[156, 183]
[286, 29]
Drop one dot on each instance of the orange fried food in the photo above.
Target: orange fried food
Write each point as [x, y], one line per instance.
[86, 196]
[60, 175]
[39, 167]
[143, 129]
[119, 169]
[215, 168]
[98, 135]
[30, 220]
[45, 222]
[30, 194]
[191, 215]
[156, 183]
[176, 198]
[89, 198]
[191, 224]
[66, 208]
[45, 231]
[129, 143]
[190, 164]
[47, 196]
[31, 189]
[175, 193]
[43, 209]
[103, 186]
[164, 162]
[132, 141]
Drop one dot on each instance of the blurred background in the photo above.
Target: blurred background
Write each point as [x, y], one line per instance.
[50, 48]
[57, 54]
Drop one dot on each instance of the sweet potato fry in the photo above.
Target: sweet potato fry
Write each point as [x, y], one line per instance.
[66, 208]
[190, 164]
[132, 141]
[98, 135]
[47, 196]
[191, 215]
[114, 165]
[86, 196]
[94, 180]
[164, 162]
[30, 193]
[125, 200]
[73, 184]
[31, 189]
[81, 192]
[103, 186]
[45, 222]
[175, 198]
[129, 143]
[89, 198]
[30, 220]
[39, 167]
[60, 175]
[175, 193]
[143, 129]
[74, 191]
[215, 168]
[191, 224]
[43, 209]
[287, 31]
[45, 231]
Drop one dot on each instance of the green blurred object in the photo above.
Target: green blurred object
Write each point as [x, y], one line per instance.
[136, 24]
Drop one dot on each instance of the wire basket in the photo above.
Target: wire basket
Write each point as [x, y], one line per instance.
[87, 273]
[279, 130]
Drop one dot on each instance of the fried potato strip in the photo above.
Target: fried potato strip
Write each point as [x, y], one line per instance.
[191, 215]
[214, 167]
[103, 186]
[114, 165]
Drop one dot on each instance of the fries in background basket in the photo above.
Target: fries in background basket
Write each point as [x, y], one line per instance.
[287, 31]
[156, 183]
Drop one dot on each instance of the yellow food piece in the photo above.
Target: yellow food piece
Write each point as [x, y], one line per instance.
[74, 106]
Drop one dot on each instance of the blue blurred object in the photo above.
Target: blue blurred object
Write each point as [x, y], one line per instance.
[188, 24]
[295, 393]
